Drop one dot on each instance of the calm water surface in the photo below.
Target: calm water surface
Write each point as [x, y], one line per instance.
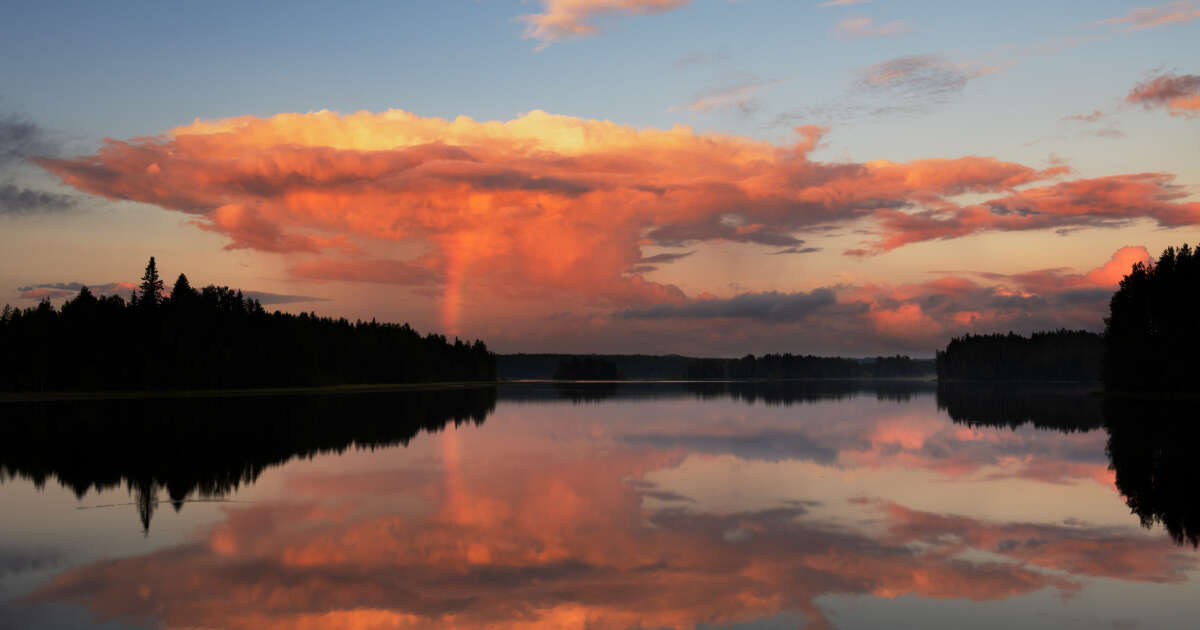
[634, 506]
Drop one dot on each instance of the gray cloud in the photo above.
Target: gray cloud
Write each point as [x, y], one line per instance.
[906, 85]
[266, 298]
[770, 305]
[20, 140]
[665, 258]
[19, 201]
[55, 290]
[797, 250]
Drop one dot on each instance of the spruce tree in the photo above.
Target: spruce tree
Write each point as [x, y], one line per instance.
[149, 294]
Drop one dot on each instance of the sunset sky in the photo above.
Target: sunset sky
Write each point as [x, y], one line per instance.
[705, 177]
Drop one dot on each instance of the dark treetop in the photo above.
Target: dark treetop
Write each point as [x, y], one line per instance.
[1152, 333]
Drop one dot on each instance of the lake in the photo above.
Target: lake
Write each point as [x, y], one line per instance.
[637, 505]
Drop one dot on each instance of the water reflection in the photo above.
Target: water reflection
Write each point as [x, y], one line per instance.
[680, 506]
[1153, 449]
[206, 448]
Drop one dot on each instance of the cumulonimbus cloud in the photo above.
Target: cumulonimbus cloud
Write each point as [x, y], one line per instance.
[554, 205]
[1178, 93]
[572, 18]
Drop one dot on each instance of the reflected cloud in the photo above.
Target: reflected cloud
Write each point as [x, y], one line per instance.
[541, 520]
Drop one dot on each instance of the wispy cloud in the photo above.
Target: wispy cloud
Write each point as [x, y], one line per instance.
[859, 27]
[841, 3]
[572, 18]
[740, 97]
[1091, 117]
[700, 58]
[1151, 17]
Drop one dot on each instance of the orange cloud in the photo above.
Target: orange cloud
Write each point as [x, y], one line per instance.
[553, 205]
[1180, 94]
[571, 18]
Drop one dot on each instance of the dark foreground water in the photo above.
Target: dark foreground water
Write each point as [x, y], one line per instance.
[827, 505]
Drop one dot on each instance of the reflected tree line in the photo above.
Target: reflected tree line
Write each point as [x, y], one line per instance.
[1152, 443]
[205, 448]
[1151, 339]
[214, 338]
[770, 393]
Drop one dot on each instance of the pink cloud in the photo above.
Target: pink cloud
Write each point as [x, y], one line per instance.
[572, 18]
[866, 27]
[1164, 15]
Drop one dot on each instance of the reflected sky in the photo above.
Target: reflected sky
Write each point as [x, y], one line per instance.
[657, 506]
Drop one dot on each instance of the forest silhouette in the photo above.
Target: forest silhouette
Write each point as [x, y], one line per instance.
[215, 338]
[1150, 341]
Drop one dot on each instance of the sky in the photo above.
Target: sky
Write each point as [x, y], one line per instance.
[705, 177]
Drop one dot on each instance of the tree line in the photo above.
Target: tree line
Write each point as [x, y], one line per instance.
[214, 338]
[781, 366]
[1151, 338]
[1061, 355]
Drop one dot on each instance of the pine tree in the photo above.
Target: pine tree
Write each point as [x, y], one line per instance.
[149, 294]
[182, 290]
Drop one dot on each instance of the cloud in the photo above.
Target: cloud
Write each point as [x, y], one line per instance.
[739, 97]
[546, 205]
[866, 27]
[572, 18]
[665, 258]
[917, 79]
[797, 250]
[840, 3]
[1094, 116]
[18, 201]
[1180, 94]
[19, 141]
[1151, 17]
[55, 290]
[699, 58]
[380, 271]
[266, 298]
[1099, 202]
[770, 305]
